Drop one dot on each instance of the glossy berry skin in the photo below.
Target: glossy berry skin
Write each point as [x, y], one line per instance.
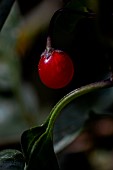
[55, 69]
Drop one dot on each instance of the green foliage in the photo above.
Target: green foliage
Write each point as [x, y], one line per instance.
[63, 24]
[37, 142]
[66, 23]
[38, 150]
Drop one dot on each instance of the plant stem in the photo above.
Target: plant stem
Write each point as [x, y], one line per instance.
[71, 96]
[48, 44]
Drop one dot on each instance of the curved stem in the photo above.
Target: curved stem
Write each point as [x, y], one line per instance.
[71, 96]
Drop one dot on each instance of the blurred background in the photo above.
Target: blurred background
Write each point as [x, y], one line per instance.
[24, 100]
[83, 132]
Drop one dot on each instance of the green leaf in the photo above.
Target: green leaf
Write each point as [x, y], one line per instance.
[38, 150]
[37, 142]
[64, 23]
[28, 139]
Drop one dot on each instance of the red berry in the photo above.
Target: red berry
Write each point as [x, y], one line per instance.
[55, 68]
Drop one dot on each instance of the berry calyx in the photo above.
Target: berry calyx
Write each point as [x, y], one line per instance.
[55, 67]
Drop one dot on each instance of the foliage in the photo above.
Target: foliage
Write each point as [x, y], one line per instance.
[74, 28]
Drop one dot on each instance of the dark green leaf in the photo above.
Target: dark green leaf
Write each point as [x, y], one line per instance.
[37, 147]
[37, 142]
[63, 24]
[28, 139]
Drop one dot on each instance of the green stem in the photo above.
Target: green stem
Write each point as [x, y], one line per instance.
[71, 96]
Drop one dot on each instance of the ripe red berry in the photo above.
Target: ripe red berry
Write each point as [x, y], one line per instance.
[55, 68]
